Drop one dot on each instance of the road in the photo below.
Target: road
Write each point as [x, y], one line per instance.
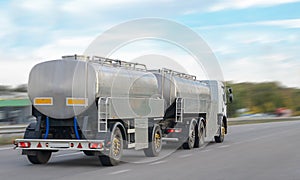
[259, 151]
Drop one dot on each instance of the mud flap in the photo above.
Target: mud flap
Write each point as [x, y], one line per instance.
[141, 133]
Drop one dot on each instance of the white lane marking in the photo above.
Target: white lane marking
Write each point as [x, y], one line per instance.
[224, 146]
[6, 148]
[157, 162]
[120, 172]
[69, 154]
[185, 155]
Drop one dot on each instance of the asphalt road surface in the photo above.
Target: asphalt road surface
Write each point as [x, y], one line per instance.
[259, 151]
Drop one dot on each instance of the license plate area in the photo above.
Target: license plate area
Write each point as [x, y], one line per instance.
[59, 145]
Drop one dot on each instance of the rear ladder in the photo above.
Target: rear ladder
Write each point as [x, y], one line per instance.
[103, 113]
[179, 109]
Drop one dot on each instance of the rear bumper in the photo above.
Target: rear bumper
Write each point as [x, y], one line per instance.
[60, 144]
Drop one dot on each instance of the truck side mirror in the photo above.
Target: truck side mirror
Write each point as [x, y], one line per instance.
[230, 95]
[230, 98]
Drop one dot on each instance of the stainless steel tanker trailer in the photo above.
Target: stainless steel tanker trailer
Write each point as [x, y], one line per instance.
[101, 106]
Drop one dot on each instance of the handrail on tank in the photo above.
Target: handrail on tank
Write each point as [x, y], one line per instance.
[108, 62]
[76, 57]
[179, 74]
[119, 63]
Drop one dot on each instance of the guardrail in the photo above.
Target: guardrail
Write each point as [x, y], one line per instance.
[263, 118]
[14, 129]
[255, 120]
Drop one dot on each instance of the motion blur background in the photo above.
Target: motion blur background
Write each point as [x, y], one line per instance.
[256, 43]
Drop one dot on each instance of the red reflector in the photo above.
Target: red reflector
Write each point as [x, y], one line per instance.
[39, 145]
[72, 145]
[174, 130]
[170, 130]
[79, 145]
[95, 145]
[24, 144]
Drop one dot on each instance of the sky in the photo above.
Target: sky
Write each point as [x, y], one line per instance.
[254, 41]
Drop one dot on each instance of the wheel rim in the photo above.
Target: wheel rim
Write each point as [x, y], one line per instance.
[116, 145]
[192, 135]
[201, 134]
[223, 131]
[157, 140]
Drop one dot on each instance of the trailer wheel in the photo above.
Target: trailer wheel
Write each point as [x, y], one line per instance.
[221, 136]
[116, 149]
[190, 143]
[155, 142]
[40, 157]
[200, 135]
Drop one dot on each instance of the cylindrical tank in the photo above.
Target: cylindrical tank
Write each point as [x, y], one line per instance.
[195, 93]
[189, 89]
[70, 86]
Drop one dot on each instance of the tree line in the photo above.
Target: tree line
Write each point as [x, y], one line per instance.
[19, 88]
[264, 97]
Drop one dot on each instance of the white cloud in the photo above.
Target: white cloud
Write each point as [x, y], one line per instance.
[79, 6]
[64, 46]
[249, 37]
[36, 6]
[224, 49]
[16, 64]
[272, 67]
[166, 56]
[240, 4]
[6, 24]
[15, 72]
[288, 23]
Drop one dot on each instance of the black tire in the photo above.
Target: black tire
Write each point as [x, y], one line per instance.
[221, 136]
[200, 135]
[114, 155]
[190, 143]
[89, 153]
[41, 157]
[155, 142]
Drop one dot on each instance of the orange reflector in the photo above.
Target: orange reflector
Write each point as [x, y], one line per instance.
[43, 101]
[76, 102]
[39, 145]
[79, 145]
[24, 144]
[95, 145]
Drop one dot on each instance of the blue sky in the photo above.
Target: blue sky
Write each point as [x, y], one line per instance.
[254, 41]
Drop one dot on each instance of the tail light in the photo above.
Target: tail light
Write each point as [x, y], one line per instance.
[24, 144]
[95, 145]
